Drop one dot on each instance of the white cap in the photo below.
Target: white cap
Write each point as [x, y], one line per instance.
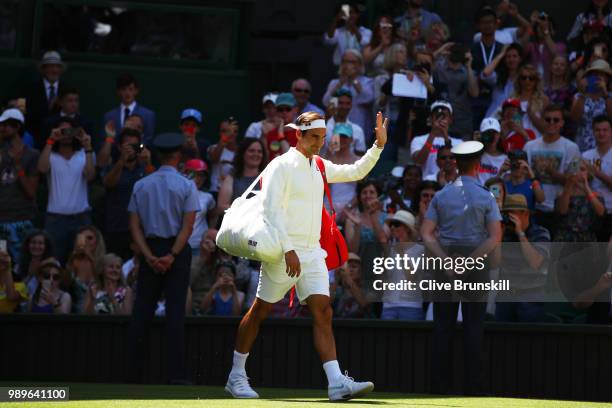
[12, 113]
[269, 97]
[442, 104]
[467, 149]
[490, 124]
[51, 58]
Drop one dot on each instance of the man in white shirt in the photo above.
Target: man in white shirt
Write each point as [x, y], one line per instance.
[345, 32]
[342, 109]
[552, 157]
[599, 160]
[69, 162]
[292, 200]
[424, 149]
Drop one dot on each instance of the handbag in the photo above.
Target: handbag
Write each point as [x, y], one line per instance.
[245, 232]
[331, 239]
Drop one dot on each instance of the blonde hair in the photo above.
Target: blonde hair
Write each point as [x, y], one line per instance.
[356, 54]
[106, 260]
[390, 56]
[538, 93]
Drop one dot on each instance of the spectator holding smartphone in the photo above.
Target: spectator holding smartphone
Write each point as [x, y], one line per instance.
[522, 179]
[69, 163]
[494, 155]
[513, 134]
[221, 154]
[195, 147]
[223, 299]
[345, 33]
[49, 298]
[340, 106]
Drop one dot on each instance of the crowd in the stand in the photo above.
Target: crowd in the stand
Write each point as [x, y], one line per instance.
[538, 100]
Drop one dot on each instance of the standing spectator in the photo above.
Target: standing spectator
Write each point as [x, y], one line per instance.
[593, 99]
[447, 164]
[221, 154]
[69, 104]
[436, 36]
[301, 89]
[522, 179]
[541, 50]
[20, 105]
[513, 134]
[18, 182]
[374, 52]
[127, 90]
[109, 294]
[509, 35]
[270, 121]
[340, 115]
[68, 162]
[457, 83]
[494, 156]
[278, 140]
[36, 248]
[133, 164]
[345, 33]
[42, 96]
[223, 299]
[403, 197]
[423, 148]
[195, 146]
[560, 90]
[11, 293]
[598, 11]
[530, 91]
[415, 16]
[426, 192]
[503, 71]
[599, 162]
[580, 208]
[342, 193]
[48, 297]
[351, 77]
[197, 171]
[551, 157]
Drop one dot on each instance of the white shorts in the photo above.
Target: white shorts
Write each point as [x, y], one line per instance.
[274, 283]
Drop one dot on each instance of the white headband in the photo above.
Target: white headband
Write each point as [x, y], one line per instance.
[315, 124]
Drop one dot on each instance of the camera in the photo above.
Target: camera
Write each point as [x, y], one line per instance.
[543, 16]
[70, 133]
[457, 53]
[515, 156]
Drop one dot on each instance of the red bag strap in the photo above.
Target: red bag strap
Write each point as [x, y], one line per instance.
[321, 167]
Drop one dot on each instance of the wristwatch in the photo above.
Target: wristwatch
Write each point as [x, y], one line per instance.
[521, 234]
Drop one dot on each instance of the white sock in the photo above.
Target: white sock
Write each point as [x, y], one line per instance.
[332, 371]
[239, 363]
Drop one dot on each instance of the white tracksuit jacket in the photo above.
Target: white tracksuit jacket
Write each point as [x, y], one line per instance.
[293, 194]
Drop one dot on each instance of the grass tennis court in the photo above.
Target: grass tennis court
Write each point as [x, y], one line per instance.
[166, 396]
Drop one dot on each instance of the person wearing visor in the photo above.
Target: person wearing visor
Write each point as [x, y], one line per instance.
[423, 149]
[190, 124]
[270, 121]
[279, 140]
[493, 157]
[292, 200]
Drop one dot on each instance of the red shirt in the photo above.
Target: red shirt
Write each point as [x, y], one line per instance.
[273, 140]
[516, 141]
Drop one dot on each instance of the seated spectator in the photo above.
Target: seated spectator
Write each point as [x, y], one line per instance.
[594, 99]
[36, 247]
[202, 273]
[82, 270]
[48, 297]
[197, 171]
[134, 163]
[90, 239]
[560, 90]
[279, 139]
[350, 299]
[502, 73]
[69, 106]
[223, 299]
[445, 159]
[497, 187]
[18, 182]
[551, 157]
[351, 76]
[127, 90]
[402, 304]
[345, 33]
[530, 91]
[580, 208]
[221, 154]
[426, 192]
[415, 16]
[301, 89]
[508, 35]
[524, 263]
[131, 267]
[599, 162]
[403, 197]
[109, 294]
[457, 83]
[522, 179]
[494, 155]
[341, 153]
[195, 146]
[423, 148]
[11, 293]
[270, 121]
[513, 134]
[374, 53]
[598, 11]
[338, 113]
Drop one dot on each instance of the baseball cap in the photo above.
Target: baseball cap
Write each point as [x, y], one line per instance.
[285, 99]
[489, 124]
[269, 97]
[196, 165]
[343, 92]
[12, 113]
[513, 103]
[343, 129]
[442, 104]
[192, 113]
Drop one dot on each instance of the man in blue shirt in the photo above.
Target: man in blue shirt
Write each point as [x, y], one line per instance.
[162, 212]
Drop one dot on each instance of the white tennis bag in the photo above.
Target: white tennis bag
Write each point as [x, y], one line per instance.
[246, 233]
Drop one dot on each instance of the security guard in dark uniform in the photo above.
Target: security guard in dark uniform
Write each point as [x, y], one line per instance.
[162, 211]
[467, 219]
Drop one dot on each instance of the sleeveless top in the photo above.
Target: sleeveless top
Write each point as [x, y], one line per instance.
[222, 307]
[241, 184]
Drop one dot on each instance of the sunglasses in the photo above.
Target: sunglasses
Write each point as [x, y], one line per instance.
[54, 276]
[447, 157]
[301, 90]
[395, 224]
[284, 109]
[552, 120]
[528, 78]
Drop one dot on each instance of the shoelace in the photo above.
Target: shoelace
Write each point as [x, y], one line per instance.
[241, 381]
[347, 376]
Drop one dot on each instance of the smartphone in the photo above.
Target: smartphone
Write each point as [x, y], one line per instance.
[225, 138]
[334, 101]
[70, 132]
[346, 11]
[495, 190]
[190, 130]
[517, 118]
[2, 245]
[46, 284]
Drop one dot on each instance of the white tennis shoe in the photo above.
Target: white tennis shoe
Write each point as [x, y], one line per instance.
[348, 388]
[238, 385]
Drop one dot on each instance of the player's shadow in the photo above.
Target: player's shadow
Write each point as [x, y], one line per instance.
[352, 401]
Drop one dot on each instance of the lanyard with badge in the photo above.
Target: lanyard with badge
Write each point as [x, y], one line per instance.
[486, 60]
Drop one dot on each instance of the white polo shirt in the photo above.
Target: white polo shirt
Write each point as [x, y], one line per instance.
[67, 184]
